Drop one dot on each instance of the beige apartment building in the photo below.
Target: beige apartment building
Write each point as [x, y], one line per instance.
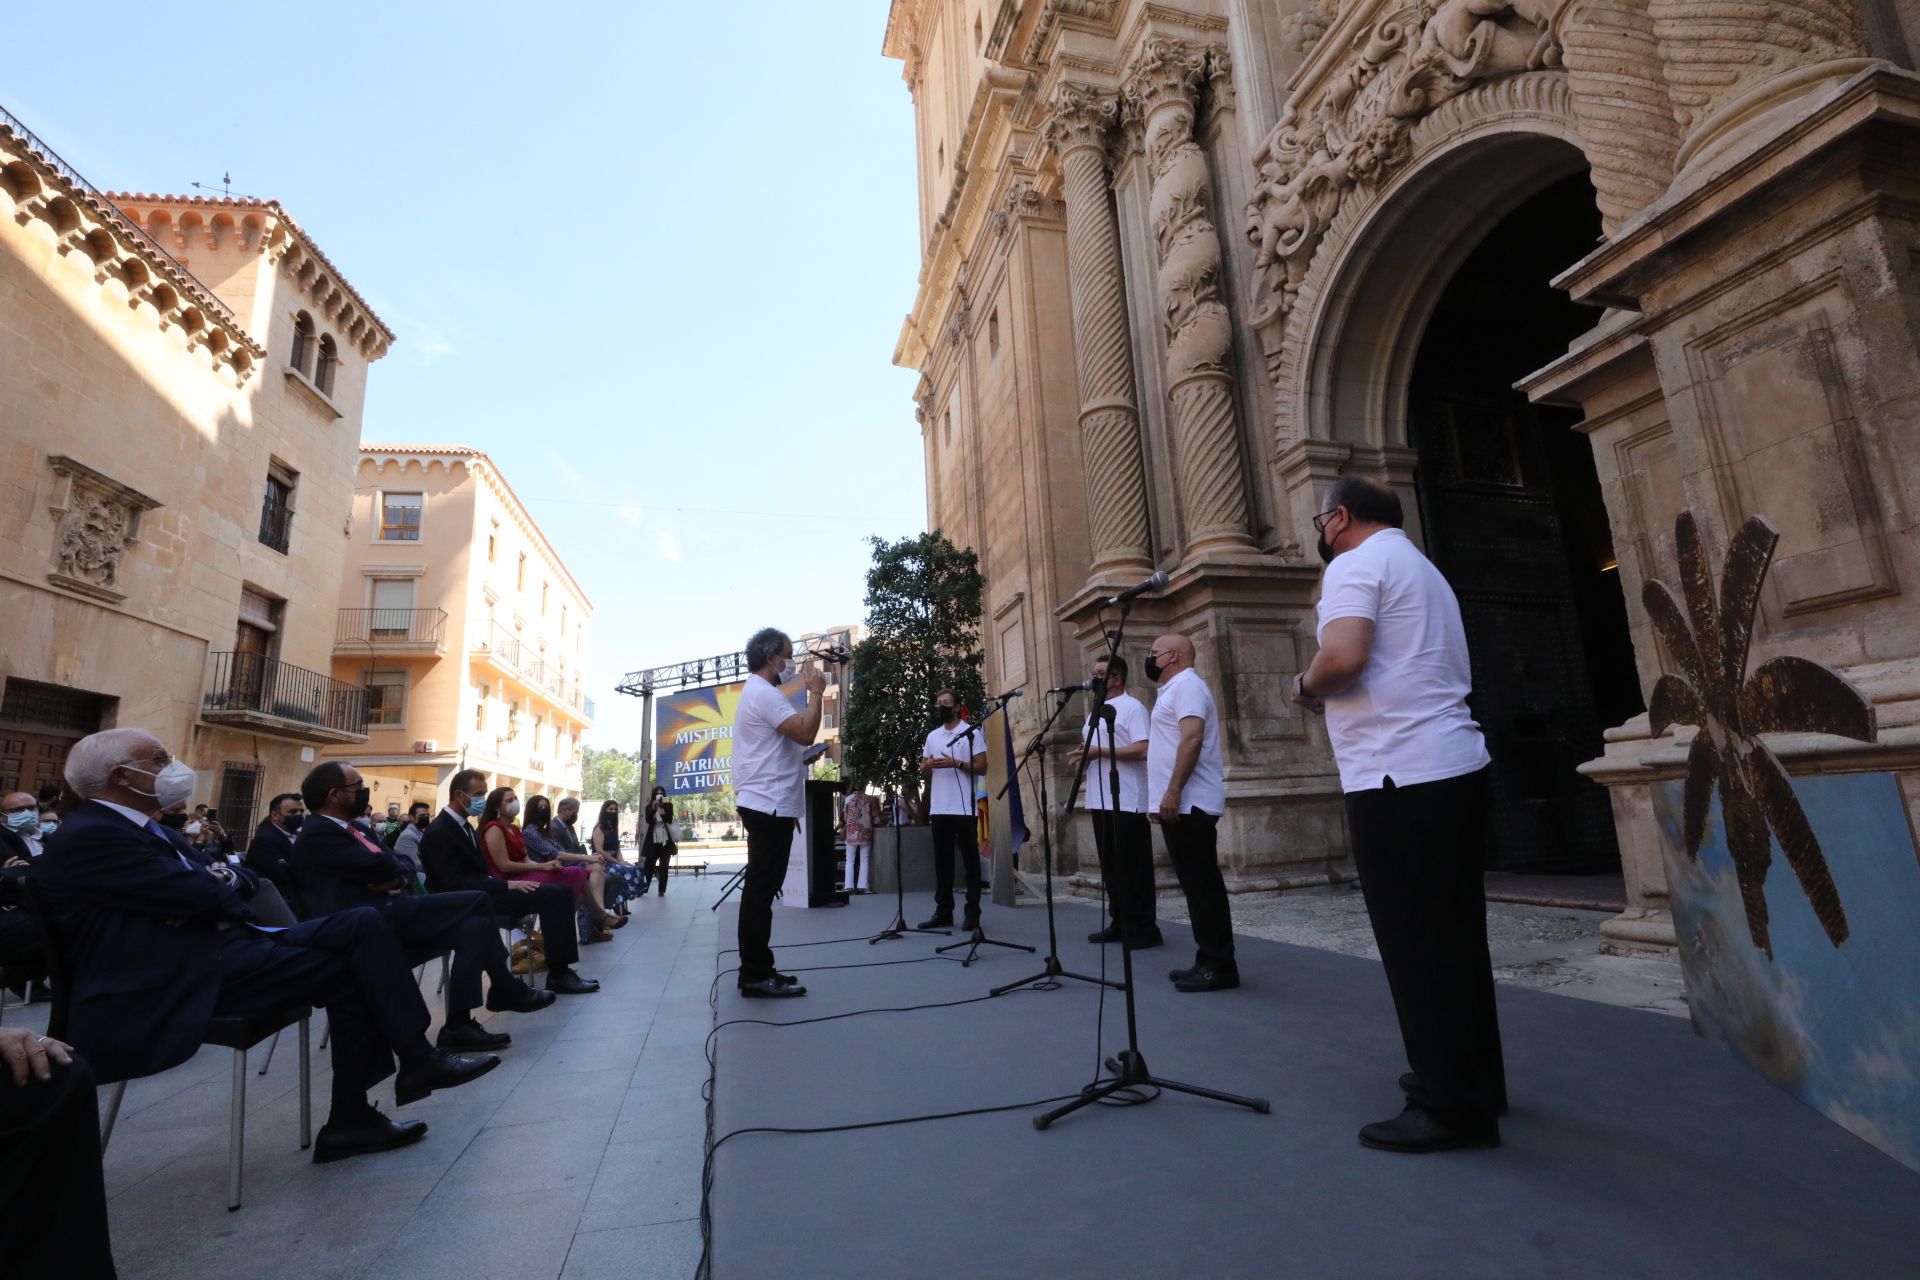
[181, 385]
[1554, 272]
[465, 626]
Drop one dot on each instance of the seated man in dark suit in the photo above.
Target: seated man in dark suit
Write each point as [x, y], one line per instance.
[272, 843]
[338, 867]
[160, 945]
[53, 1200]
[454, 861]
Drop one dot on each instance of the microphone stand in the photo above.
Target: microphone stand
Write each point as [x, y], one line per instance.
[1128, 1068]
[900, 928]
[1037, 751]
[978, 938]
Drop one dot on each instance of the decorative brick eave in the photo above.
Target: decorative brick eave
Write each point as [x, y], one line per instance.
[292, 250]
[84, 222]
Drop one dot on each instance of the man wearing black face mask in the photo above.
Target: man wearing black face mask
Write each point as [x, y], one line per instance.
[266, 854]
[338, 867]
[950, 762]
[1392, 677]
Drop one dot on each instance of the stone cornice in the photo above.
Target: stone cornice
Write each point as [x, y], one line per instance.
[270, 229]
[483, 468]
[1098, 17]
[84, 223]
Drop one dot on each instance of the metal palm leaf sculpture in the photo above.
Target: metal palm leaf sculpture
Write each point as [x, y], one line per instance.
[1709, 641]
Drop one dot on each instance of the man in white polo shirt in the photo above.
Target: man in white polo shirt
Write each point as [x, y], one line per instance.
[950, 760]
[1121, 834]
[1187, 787]
[1392, 678]
[770, 790]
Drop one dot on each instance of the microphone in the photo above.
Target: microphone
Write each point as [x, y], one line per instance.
[1082, 687]
[1157, 580]
[1010, 695]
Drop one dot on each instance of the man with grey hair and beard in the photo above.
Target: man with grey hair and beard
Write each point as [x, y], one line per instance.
[769, 786]
[161, 944]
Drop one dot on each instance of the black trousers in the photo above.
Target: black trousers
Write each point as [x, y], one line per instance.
[1124, 842]
[23, 952]
[351, 963]
[53, 1200]
[656, 859]
[1418, 849]
[1193, 846]
[769, 848]
[554, 904]
[458, 922]
[955, 832]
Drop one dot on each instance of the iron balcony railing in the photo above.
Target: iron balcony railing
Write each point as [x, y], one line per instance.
[276, 525]
[256, 683]
[587, 707]
[395, 626]
[502, 645]
[108, 209]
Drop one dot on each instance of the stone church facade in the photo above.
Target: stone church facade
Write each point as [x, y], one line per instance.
[1556, 270]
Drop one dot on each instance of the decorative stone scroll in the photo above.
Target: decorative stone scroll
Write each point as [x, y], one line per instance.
[1354, 134]
[1162, 90]
[98, 517]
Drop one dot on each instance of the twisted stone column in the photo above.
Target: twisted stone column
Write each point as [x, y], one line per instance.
[1077, 128]
[1162, 89]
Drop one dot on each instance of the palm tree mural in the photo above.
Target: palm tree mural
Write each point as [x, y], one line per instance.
[1709, 641]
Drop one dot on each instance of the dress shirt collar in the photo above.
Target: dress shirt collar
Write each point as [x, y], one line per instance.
[460, 818]
[137, 818]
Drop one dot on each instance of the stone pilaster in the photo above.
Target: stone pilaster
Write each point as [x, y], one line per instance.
[1078, 129]
[1162, 89]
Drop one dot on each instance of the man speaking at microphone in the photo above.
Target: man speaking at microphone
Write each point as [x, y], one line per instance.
[1392, 678]
[770, 788]
[950, 760]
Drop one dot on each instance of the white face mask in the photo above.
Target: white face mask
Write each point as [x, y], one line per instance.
[172, 785]
[192, 828]
[510, 808]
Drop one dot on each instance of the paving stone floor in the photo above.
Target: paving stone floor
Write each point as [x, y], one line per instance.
[579, 1156]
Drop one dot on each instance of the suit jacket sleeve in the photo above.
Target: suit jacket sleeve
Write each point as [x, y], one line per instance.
[451, 861]
[135, 875]
[336, 853]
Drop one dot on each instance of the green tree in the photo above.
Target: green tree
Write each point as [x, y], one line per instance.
[923, 620]
[608, 774]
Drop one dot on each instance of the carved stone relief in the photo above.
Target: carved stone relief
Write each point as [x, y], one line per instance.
[98, 517]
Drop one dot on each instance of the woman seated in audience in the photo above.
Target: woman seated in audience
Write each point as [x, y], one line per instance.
[628, 881]
[506, 851]
[547, 843]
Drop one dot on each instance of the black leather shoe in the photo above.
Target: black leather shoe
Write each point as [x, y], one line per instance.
[1417, 1130]
[939, 920]
[970, 921]
[471, 1037]
[1177, 975]
[786, 979]
[366, 1136]
[439, 1070]
[518, 998]
[771, 989]
[1206, 978]
[1409, 1082]
[568, 983]
[1101, 937]
[1146, 941]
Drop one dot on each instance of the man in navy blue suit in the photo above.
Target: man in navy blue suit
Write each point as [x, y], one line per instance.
[160, 945]
[338, 867]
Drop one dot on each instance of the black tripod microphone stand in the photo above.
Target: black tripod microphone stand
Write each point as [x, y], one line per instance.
[978, 938]
[900, 928]
[1037, 752]
[1128, 1067]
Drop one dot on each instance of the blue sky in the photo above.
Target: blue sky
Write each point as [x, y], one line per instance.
[652, 257]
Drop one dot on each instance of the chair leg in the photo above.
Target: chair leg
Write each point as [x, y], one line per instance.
[113, 1113]
[236, 1128]
[271, 1046]
[326, 1033]
[306, 1087]
[446, 965]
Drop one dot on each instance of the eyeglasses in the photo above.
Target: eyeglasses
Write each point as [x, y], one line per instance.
[1320, 521]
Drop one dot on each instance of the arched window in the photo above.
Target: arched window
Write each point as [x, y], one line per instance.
[302, 341]
[323, 367]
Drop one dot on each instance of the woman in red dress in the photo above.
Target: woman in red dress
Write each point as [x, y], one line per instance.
[507, 853]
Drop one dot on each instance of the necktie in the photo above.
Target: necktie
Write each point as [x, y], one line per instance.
[160, 832]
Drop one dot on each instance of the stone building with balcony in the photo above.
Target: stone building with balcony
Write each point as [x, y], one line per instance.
[1555, 272]
[181, 385]
[465, 627]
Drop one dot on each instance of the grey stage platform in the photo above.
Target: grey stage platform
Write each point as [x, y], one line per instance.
[1634, 1150]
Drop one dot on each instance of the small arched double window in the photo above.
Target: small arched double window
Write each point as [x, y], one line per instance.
[302, 342]
[323, 368]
